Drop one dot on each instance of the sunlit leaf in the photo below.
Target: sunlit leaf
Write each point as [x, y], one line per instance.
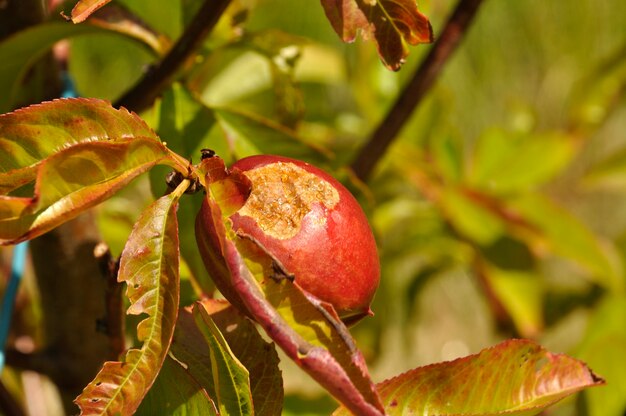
[506, 162]
[604, 348]
[609, 173]
[149, 267]
[521, 294]
[253, 134]
[188, 126]
[254, 73]
[29, 135]
[308, 330]
[562, 234]
[246, 344]
[393, 24]
[596, 96]
[516, 377]
[176, 393]
[74, 179]
[20, 51]
[470, 218]
[84, 8]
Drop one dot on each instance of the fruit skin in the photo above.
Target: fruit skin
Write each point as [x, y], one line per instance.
[330, 251]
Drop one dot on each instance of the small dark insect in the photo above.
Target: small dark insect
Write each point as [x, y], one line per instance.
[206, 154]
[174, 178]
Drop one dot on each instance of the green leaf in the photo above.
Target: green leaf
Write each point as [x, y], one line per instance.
[20, 51]
[246, 344]
[599, 93]
[470, 218]
[604, 348]
[393, 24]
[521, 293]
[30, 135]
[149, 266]
[120, 20]
[84, 8]
[176, 393]
[609, 173]
[565, 235]
[516, 377]
[75, 179]
[254, 73]
[187, 126]
[309, 331]
[231, 380]
[506, 162]
[253, 134]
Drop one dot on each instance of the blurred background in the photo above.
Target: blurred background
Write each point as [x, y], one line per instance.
[499, 211]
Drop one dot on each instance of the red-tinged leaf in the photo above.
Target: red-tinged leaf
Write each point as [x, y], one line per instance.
[393, 24]
[176, 393]
[75, 179]
[30, 135]
[149, 266]
[308, 330]
[84, 8]
[514, 377]
[258, 356]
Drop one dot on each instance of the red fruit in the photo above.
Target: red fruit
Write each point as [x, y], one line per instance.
[312, 225]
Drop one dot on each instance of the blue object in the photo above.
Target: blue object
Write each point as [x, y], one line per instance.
[8, 302]
[69, 88]
[19, 256]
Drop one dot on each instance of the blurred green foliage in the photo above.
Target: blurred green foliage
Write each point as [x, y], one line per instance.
[500, 211]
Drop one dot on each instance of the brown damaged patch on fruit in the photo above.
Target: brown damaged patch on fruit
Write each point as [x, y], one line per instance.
[282, 195]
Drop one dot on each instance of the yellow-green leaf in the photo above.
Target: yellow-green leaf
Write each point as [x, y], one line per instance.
[515, 377]
[149, 266]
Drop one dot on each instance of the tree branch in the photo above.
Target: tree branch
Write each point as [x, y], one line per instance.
[423, 79]
[143, 94]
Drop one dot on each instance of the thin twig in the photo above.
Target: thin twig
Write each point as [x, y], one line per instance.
[143, 94]
[416, 89]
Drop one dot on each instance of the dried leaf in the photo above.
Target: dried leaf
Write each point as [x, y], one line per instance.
[393, 24]
[149, 266]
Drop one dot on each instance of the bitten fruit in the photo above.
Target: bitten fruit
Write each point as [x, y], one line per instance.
[312, 225]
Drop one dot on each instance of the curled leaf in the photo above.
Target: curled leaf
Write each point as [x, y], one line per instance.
[149, 266]
[84, 8]
[393, 24]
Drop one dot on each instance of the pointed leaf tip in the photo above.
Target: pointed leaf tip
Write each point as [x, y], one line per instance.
[149, 266]
[513, 377]
[84, 8]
